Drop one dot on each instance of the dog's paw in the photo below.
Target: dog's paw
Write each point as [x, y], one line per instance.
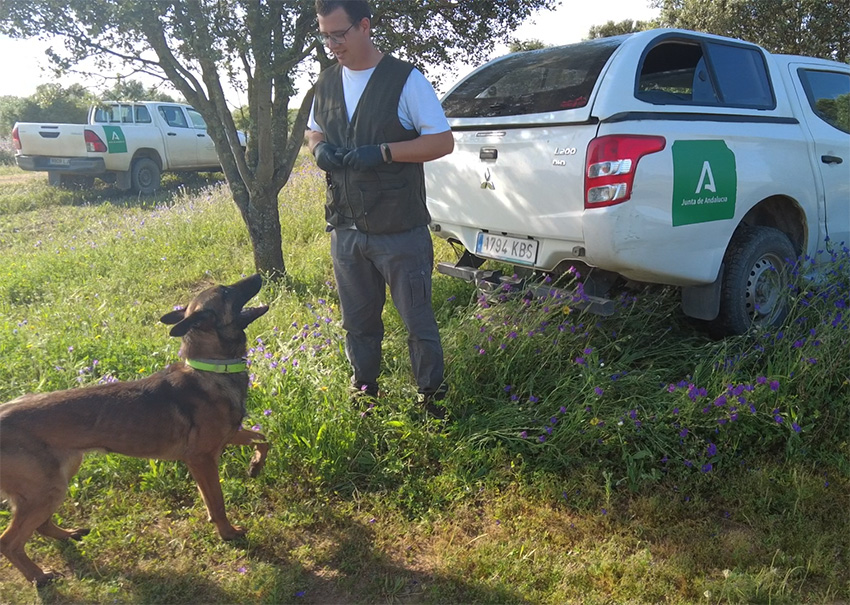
[47, 577]
[234, 533]
[255, 468]
[258, 460]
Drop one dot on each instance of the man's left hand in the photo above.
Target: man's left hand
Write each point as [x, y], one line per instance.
[362, 158]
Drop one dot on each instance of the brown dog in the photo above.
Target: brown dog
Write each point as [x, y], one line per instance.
[189, 411]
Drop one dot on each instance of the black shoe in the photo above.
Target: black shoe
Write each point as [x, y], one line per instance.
[369, 389]
[364, 396]
[430, 403]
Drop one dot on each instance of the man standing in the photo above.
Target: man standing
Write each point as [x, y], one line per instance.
[375, 121]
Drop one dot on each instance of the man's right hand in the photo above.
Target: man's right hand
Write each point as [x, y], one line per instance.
[328, 157]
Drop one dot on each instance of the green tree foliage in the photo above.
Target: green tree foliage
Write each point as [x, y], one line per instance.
[259, 46]
[817, 28]
[616, 28]
[517, 46]
[133, 90]
[50, 103]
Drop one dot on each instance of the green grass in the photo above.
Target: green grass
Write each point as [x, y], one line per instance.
[628, 459]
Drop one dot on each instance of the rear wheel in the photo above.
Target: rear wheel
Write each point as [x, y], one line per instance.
[756, 277]
[145, 176]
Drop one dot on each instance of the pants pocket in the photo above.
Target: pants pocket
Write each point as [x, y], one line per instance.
[419, 288]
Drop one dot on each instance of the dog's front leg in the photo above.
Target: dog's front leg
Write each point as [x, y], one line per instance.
[204, 469]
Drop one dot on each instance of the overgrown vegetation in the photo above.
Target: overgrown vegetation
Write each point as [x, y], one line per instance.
[587, 460]
[7, 151]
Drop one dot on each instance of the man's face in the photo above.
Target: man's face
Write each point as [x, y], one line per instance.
[349, 43]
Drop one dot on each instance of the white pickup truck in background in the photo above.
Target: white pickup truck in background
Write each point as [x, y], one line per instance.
[127, 144]
[666, 157]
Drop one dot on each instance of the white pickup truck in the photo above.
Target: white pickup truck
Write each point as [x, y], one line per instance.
[666, 156]
[128, 144]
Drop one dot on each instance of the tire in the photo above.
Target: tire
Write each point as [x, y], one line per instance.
[756, 277]
[145, 176]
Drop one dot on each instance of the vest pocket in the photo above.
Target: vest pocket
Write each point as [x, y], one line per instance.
[386, 206]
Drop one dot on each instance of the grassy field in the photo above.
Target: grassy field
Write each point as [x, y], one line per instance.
[628, 459]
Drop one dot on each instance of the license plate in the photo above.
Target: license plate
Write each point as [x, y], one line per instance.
[518, 250]
[60, 161]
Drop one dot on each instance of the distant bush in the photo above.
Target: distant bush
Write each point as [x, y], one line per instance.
[7, 151]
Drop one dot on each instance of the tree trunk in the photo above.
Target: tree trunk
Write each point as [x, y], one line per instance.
[262, 219]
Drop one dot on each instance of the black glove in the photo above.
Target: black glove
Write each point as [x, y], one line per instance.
[364, 158]
[328, 157]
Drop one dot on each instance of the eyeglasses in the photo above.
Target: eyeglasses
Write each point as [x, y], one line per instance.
[336, 38]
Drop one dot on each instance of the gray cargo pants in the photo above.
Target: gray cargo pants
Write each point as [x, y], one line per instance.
[364, 264]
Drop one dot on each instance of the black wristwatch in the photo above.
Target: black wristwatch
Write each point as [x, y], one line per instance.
[386, 153]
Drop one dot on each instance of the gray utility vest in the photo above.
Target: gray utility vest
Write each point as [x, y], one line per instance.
[390, 198]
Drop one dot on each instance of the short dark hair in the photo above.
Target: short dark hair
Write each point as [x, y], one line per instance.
[357, 10]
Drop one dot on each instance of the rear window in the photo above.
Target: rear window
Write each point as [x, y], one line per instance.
[113, 114]
[143, 116]
[828, 93]
[197, 119]
[537, 81]
[741, 76]
[124, 114]
[694, 72]
[173, 116]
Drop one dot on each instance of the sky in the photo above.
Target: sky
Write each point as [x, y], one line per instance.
[26, 66]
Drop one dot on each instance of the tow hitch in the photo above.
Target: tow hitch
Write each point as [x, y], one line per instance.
[494, 284]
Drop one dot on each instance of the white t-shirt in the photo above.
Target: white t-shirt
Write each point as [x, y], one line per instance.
[419, 108]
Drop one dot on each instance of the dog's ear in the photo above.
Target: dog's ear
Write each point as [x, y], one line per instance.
[173, 317]
[182, 327]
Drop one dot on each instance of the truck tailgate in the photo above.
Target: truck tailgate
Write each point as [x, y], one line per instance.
[56, 140]
[513, 180]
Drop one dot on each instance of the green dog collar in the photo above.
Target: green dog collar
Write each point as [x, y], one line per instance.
[223, 366]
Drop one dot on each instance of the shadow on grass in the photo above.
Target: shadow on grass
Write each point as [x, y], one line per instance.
[340, 561]
[166, 588]
[347, 564]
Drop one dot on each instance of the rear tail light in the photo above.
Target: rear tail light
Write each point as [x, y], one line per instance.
[16, 138]
[94, 143]
[611, 165]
